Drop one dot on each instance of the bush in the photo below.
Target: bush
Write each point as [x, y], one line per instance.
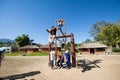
[116, 49]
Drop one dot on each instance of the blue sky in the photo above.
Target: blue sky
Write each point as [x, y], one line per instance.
[33, 17]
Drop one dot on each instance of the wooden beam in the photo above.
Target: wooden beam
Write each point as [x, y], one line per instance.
[63, 36]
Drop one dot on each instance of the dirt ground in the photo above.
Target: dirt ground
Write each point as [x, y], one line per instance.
[97, 67]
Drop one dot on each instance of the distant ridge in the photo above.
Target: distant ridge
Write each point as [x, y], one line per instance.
[4, 40]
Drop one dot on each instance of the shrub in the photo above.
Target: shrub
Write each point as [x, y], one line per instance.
[116, 49]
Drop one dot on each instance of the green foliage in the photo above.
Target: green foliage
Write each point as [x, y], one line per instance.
[116, 49]
[22, 40]
[87, 41]
[1, 44]
[96, 28]
[67, 46]
[107, 33]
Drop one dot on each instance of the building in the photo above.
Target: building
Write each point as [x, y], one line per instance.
[92, 48]
[39, 48]
[45, 48]
[7, 49]
[30, 48]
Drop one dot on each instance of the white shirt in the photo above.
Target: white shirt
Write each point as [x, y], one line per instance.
[52, 53]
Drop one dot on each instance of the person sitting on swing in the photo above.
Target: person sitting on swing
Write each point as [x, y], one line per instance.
[60, 61]
[52, 35]
[63, 43]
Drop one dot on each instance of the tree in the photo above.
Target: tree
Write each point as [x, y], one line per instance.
[22, 40]
[110, 35]
[116, 35]
[31, 41]
[87, 41]
[67, 46]
[95, 29]
[1, 44]
[107, 33]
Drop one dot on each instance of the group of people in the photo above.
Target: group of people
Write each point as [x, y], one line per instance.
[61, 59]
[53, 32]
[64, 57]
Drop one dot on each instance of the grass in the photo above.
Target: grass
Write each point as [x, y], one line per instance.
[27, 54]
[13, 54]
[38, 54]
[116, 53]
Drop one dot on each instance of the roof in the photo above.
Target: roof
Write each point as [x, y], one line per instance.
[39, 46]
[30, 47]
[47, 46]
[92, 45]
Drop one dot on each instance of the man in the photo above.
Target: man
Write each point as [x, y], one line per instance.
[0, 58]
[2, 52]
[60, 22]
[63, 43]
[67, 58]
[52, 34]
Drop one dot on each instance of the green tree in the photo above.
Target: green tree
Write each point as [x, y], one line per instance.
[110, 35]
[67, 46]
[107, 33]
[116, 35]
[1, 44]
[9, 44]
[22, 40]
[95, 29]
[87, 41]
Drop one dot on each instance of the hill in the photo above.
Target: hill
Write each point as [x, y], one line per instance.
[3, 40]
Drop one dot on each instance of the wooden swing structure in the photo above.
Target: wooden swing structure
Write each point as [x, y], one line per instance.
[72, 46]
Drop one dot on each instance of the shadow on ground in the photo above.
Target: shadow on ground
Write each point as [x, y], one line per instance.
[87, 64]
[20, 76]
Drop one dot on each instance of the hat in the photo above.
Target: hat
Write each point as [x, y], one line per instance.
[66, 51]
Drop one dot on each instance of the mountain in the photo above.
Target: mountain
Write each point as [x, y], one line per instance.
[7, 40]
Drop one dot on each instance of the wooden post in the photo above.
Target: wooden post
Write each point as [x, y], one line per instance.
[49, 53]
[73, 51]
[56, 52]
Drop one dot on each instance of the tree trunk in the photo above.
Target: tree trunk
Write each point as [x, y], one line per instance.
[117, 46]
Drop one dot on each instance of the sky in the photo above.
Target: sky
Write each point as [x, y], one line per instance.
[33, 17]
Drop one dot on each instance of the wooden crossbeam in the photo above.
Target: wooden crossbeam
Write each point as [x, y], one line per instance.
[63, 36]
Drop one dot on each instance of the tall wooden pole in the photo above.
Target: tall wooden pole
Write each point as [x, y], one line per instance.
[49, 53]
[56, 52]
[73, 51]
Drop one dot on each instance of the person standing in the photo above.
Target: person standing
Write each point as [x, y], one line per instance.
[67, 58]
[60, 61]
[1, 58]
[52, 34]
[52, 55]
[63, 43]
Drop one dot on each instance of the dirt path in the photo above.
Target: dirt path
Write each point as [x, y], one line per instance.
[102, 67]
